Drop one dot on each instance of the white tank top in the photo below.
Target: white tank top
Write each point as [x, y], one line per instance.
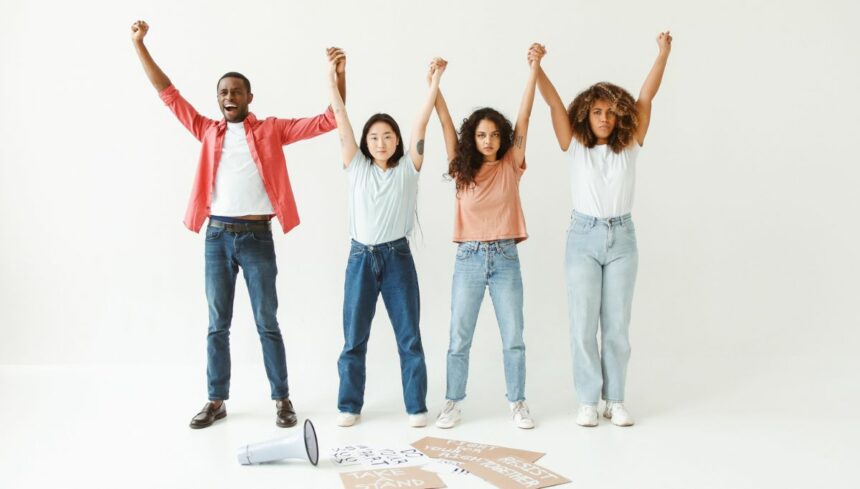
[602, 182]
[239, 189]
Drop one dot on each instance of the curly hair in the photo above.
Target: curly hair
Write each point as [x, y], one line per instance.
[398, 151]
[622, 104]
[468, 159]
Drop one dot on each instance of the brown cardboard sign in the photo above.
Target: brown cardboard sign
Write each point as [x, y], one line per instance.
[411, 477]
[464, 451]
[510, 472]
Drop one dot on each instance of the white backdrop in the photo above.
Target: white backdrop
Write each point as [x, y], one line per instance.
[745, 208]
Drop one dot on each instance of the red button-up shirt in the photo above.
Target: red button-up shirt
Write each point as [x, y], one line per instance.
[266, 139]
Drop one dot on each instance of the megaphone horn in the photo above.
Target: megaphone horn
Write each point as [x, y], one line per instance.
[301, 445]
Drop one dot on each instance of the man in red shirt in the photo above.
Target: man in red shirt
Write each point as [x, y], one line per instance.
[241, 183]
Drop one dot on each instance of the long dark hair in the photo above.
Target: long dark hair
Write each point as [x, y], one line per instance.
[398, 152]
[626, 122]
[468, 159]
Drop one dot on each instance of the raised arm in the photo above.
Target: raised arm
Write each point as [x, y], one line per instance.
[348, 146]
[419, 128]
[449, 133]
[651, 85]
[521, 128]
[557, 111]
[157, 77]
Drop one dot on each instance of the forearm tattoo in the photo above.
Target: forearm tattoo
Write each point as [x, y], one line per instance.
[420, 147]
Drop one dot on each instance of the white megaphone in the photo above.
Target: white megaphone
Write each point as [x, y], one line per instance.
[301, 445]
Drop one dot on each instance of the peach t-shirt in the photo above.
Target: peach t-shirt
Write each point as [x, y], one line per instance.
[490, 210]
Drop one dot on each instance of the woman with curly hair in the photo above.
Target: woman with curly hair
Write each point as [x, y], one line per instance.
[383, 187]
[487, 162]
[602, 131]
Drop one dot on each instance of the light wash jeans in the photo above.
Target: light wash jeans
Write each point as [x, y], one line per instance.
[493, 264]
[601, 262]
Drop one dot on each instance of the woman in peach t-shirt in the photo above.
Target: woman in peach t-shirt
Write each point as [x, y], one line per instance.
[487, 163]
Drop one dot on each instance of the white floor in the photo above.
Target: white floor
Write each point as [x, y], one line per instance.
[126, 426]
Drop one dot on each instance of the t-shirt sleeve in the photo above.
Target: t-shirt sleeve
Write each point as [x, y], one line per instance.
[358, 159]
[406, 159]
[508, 159]
[633, 150]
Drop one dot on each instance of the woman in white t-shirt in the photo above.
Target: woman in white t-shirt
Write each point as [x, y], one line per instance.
[602, 131]
[383, 187]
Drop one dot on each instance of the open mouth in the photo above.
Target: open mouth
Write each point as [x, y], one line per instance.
[231, 108]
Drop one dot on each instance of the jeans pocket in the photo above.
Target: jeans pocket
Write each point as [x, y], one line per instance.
[213, 234]
[580, 226]
[262, 236]
[510, 252]
[464, 253]
[402, 249]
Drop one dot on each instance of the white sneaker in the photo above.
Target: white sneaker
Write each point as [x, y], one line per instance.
[616, 413]
[587, 415]
[450, 415]
[418, 420]
[347, 419]
[522, 418]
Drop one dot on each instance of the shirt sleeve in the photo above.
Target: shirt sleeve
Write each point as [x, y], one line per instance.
[185, 112]
[406, 159]
[292, 130]
[508, 159]
[356, 160]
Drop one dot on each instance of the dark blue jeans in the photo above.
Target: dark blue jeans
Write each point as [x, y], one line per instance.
[388, 269]
[254, 252]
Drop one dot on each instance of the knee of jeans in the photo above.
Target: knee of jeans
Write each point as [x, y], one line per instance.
[268, 327]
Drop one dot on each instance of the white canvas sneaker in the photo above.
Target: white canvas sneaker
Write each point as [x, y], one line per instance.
[450, 415]
[346, 420]
[616, 413]
[587, 415]
[418, 420]
[522, 418]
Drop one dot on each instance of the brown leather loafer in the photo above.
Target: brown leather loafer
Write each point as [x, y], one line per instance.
[286, 413]
[208, 415]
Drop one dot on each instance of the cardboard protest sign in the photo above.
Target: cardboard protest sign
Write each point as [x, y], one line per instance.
[464, 451]
[411, 477]
[377, 457]
[510, 472]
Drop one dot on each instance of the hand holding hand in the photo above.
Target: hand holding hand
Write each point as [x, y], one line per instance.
[536, 52]
[337, 61]
[438, 66]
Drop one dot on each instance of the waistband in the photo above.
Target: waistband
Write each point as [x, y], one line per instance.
[610, 221]
[389, 244]
[487, 245]
[241, 227]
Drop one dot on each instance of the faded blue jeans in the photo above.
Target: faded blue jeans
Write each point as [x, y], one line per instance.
[601, 262]
[254, 252]
[385, 268]
[493, 264]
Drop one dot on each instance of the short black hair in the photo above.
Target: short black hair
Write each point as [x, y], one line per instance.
[235, 74]
[398, 151]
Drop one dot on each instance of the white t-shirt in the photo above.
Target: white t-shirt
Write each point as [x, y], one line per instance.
[239, 189]
[381, 202]
[602, 182]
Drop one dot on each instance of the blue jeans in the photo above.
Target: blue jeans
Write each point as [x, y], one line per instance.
[601, 260]
[385, 268]
[493, 264]
[254, 252]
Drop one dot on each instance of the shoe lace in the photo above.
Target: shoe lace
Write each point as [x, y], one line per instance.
[521, 409]
[448, 409]
[616, 406]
